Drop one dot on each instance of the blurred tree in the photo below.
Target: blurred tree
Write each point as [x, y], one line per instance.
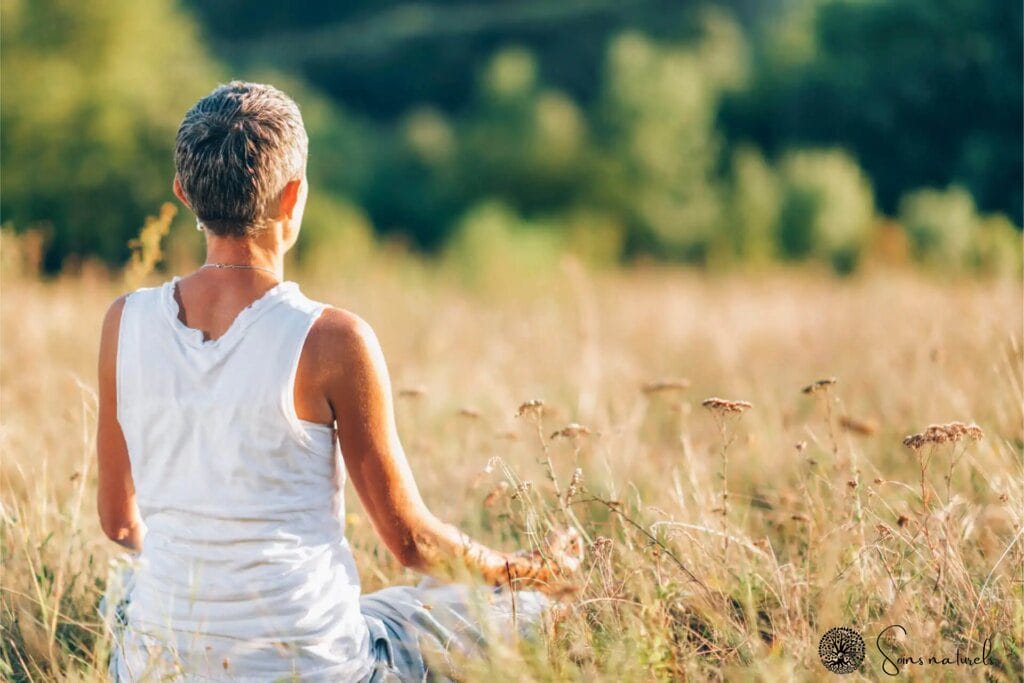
[647, 120]
[946, 230]
[383, 57]
[493, 243]
[658, 139]
[92, 96]
[754, 206]
[922, 92]
[827, 207]
[942, 225]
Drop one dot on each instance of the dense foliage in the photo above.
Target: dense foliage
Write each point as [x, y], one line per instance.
[727, 131]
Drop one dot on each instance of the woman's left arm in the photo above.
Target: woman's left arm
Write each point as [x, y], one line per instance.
[115, 496]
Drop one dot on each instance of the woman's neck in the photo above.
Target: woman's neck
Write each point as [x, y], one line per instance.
[263, 251]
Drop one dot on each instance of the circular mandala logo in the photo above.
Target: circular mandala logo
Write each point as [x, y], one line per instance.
[841, 650]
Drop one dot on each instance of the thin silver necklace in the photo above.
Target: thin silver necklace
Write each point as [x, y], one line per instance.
[240, 267]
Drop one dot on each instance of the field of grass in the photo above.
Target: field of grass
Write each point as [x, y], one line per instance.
[722, 545]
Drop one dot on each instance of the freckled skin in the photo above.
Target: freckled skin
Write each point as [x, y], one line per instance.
[342, 379]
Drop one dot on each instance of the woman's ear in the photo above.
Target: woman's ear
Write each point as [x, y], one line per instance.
[179, 191]
[290, 199]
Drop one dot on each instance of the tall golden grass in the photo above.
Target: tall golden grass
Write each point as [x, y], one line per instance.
[723, 540]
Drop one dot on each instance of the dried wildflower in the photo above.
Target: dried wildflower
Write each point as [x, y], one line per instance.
[521, 489]
[468, 412]
[883, 531]
[938, 434]
[496, 493]
[902, 521]
[851, 484]
[601, 544]
[574, 484]
[879, 481]
[659, 386]
[1003, 498]
[800, 446]
[819, 385]
[571, 431]
[973, 432]
[534, 407]
[412, 392]
[721, 405]
[856, 426]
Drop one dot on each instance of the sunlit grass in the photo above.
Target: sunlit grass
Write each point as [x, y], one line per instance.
[721, 544]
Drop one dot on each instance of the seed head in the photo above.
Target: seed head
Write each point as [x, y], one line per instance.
[412, 392]
[722, 406]
[665, 385]
[574, 484]
[819, 385]
[571, 431]
[532, 407]
[861, 427]
[522, 489]
[938, 434]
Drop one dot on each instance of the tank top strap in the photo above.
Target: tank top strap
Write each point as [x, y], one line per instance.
[140, 316]
[280, 337]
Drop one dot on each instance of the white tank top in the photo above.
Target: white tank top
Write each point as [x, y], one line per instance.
[245, 572]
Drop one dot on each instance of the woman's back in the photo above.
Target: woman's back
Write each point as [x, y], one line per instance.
[245, 563]
[233, 503]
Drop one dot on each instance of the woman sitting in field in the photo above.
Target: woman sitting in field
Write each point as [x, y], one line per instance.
[226, 400]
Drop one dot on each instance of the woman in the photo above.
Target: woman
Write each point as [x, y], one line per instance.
[226, 400]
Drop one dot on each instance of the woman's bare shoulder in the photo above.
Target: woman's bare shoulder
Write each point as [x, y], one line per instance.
[338, 325]
[342, 338]
[112, 318]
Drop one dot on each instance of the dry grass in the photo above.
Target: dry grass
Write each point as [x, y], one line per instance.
[722, 543]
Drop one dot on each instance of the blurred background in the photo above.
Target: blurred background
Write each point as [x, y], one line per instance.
[621, 208]
[496, 134]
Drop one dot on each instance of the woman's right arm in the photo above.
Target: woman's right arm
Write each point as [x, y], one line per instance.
[358, 389]
[115, 495]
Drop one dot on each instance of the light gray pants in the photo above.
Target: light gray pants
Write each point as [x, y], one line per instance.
[417, 633]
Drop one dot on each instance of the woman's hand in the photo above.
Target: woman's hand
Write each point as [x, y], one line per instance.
[551, 569]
